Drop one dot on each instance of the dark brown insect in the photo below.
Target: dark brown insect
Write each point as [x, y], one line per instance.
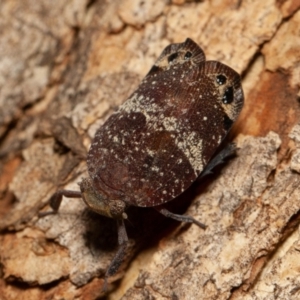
[161, 139]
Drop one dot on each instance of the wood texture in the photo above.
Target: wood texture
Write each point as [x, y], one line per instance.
[64, 68]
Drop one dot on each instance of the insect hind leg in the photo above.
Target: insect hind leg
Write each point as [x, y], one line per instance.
[219, 159]
[180, 218]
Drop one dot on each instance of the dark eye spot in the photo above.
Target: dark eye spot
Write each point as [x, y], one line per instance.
[228, 95]
[172, 57]
[154, 69]
[188, 55]
[221, 79]
[227, 123]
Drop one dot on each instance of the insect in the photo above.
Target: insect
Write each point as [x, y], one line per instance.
[161, 139]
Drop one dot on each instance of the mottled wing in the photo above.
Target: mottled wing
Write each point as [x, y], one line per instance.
[190, 132]
[161, 138]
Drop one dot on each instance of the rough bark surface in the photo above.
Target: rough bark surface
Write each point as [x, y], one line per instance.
[64, 68]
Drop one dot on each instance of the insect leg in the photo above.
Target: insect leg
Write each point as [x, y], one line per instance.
[219, 159]
[180, 218]
[120, 255]
[56, 199]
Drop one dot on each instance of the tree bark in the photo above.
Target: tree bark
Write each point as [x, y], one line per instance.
[65, 66]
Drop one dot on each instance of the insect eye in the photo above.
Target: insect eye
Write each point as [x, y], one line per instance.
[188, 55]
[172, 57]
[228, 95]
[221, 79]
